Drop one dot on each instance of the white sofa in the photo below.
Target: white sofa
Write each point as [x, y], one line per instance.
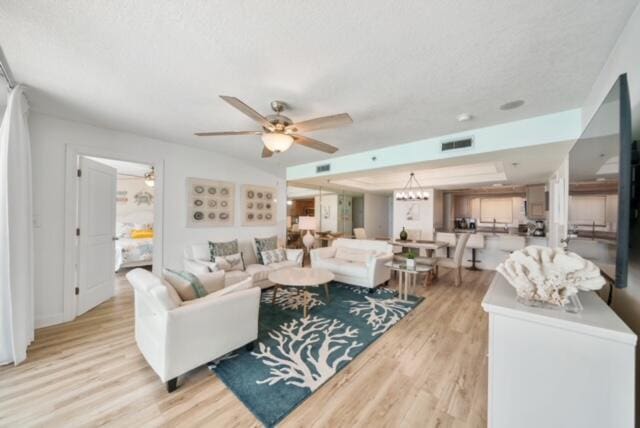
[175, 336]
[197, 260]
[355, 261]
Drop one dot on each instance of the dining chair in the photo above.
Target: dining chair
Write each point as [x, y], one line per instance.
[360, 233]
[454, 262]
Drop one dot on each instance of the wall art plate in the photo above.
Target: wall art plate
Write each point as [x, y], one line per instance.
[210, 203]
[259, 204]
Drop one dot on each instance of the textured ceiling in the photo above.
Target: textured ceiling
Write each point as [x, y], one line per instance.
[403, 70]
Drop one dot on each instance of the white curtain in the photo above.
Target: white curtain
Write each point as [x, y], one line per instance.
[16, 231]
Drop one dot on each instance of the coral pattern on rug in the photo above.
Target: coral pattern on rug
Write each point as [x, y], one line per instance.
[380, 314]
[297, 360]
[294, 356]
[291, 298]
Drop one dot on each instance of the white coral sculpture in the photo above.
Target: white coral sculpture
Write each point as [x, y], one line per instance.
[308, 351]
[292, 298]
[380, 314]
[549, 274]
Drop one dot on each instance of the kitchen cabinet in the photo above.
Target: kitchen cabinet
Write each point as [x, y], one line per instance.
[536, 202]
[462, 207]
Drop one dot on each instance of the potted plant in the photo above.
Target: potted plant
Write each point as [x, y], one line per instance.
[411, 259]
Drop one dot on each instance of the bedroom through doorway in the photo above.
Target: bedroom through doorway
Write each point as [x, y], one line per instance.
[115, 218]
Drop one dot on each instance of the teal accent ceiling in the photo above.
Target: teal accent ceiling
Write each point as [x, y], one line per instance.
[556, 127]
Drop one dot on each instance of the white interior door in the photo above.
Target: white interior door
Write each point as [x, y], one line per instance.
[96, 245]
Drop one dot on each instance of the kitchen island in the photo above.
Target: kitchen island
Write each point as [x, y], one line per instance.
[491, 255]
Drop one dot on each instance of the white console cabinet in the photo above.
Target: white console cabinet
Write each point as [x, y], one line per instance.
[550, 368]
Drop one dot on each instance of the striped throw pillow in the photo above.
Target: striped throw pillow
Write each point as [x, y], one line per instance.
[273, 256]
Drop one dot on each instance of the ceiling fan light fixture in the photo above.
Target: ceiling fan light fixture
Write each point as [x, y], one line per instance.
[277, 142]
[150, 178]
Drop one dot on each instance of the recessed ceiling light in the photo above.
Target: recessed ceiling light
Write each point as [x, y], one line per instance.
[464, 117]
[512, 105]
[600, 179]
[497, 184]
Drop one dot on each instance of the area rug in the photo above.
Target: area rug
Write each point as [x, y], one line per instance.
[294, 355]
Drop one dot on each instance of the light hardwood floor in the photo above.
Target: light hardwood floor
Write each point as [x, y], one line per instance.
[430, 370]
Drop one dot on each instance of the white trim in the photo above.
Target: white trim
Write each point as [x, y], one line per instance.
[72, 152]
[50, 320]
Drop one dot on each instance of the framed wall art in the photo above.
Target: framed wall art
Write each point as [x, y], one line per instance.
[259, 205]
[210, 203]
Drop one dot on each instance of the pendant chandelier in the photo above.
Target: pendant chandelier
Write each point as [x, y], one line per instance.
[412, 191]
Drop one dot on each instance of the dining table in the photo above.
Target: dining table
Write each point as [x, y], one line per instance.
[420, 244]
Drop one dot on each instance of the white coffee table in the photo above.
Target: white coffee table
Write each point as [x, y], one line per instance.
[301, 277]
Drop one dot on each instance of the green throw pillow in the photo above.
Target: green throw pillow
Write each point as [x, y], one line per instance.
[265, 244]
[197, 286]
[220, 249]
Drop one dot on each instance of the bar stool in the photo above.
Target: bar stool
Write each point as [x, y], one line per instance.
[476, 241]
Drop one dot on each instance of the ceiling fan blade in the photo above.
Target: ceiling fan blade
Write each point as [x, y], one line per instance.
[248, 111]
[314, 144]
[266, 153]
[321, 123]
[214, 134]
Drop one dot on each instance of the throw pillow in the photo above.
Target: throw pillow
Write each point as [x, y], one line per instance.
[222, 249]
[243, 285]
[141, 233]
[186, 284]
[230, 263]
[265, 244]
[273, 256]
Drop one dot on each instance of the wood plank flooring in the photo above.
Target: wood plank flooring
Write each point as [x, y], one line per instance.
[430, 370]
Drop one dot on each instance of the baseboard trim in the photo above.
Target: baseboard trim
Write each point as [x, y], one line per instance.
[49, 321]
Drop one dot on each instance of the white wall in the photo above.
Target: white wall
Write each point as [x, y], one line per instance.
[558, 204]
[624, 58]
[326, 209]
[49, 136]
[376, 215]
[126, 205]
[425, 218]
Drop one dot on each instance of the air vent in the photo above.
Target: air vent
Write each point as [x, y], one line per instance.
[323, 168]
[458, 144]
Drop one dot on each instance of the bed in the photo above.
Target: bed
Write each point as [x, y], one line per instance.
[132, 252]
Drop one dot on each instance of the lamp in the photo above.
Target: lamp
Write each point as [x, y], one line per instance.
[277, 142]
[150, 178]
[308, 224]
[411, 191]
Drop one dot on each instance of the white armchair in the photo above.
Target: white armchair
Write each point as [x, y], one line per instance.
[357, 262]
[175, 337]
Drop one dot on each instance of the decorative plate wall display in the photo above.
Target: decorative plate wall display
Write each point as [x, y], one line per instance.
[259, 205]
[210, 203]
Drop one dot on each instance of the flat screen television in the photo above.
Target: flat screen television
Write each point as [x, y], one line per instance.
[600, 186]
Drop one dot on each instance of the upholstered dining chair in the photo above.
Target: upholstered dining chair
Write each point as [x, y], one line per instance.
[454, 262]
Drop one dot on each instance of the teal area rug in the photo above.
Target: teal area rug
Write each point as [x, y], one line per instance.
[294, 356]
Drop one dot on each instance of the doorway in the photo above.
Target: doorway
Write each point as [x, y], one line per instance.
[115, 203]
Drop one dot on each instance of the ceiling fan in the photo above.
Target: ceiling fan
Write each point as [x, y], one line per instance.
[279, 132]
